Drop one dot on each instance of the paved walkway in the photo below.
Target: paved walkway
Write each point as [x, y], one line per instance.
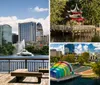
[87, 72]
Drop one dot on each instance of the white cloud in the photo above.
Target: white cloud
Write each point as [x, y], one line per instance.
[97, 46]
[37, 9]
[97, 49]
[59, 48]
[78, 49]
[85, 47]
[81, 48]
[13, 21]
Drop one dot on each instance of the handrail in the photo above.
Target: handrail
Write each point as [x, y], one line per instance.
[24, 58]
[23, 64]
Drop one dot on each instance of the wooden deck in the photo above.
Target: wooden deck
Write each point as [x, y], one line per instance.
[7, 79]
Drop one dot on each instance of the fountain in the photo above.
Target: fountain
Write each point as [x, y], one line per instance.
[22, 51]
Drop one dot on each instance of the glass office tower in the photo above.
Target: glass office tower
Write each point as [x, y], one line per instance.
[5, 33]
[27, 31]
[69, 48]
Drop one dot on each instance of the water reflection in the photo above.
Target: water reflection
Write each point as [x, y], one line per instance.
[79, 81]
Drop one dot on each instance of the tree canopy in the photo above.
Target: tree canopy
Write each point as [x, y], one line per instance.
[90, 9]
[6, 49]
[35, 50]
[96, 68]
[84, 57]
[57, 7]
[69, 58]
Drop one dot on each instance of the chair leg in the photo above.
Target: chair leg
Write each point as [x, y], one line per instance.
[39, 80]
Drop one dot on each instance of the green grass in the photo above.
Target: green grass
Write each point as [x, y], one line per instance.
[88, 64]
[90, 76]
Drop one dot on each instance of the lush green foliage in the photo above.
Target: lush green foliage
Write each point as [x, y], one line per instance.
[57, 7]
[96, 68]
[69, 57]
[6, 49]
[35, 50]
[91, 11]
[54, 59]
[83, 58]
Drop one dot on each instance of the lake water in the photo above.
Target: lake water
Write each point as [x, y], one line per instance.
[32, 65]
[36, 56]
[78, 81]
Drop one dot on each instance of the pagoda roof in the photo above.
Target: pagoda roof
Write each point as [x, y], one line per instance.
[75, 16]
[78, 19]
[76, 10]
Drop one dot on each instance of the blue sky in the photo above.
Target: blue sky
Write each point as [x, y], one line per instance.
[23, 8]
[58, 47]
[79, 47]
[13, 12]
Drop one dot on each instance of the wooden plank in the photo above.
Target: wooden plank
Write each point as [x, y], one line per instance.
[6, 78]
[44, 70]
[25, 74]
[20, 70]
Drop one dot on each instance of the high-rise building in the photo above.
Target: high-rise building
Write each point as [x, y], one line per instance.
[14, 38]
[59, 53]
[46, 39]
[39, 33]
[55, 53]
[27, 31]
[69, 48]
[5, 33]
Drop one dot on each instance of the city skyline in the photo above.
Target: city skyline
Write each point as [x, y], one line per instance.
[79, 47]
[14, 12]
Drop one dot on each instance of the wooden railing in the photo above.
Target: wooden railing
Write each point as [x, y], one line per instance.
[32, 64]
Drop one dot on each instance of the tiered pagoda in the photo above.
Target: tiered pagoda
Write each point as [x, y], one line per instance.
[76, 14]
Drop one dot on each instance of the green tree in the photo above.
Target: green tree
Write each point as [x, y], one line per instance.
[54, 59]
[45, 50]
[91, 11]
[30, 48]
[36, 50]
[57, 7]
[9, 48]
[81, 60]
[3, 50]
[6, 49]
[85, 56]
[96, 68]
[69, 57]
